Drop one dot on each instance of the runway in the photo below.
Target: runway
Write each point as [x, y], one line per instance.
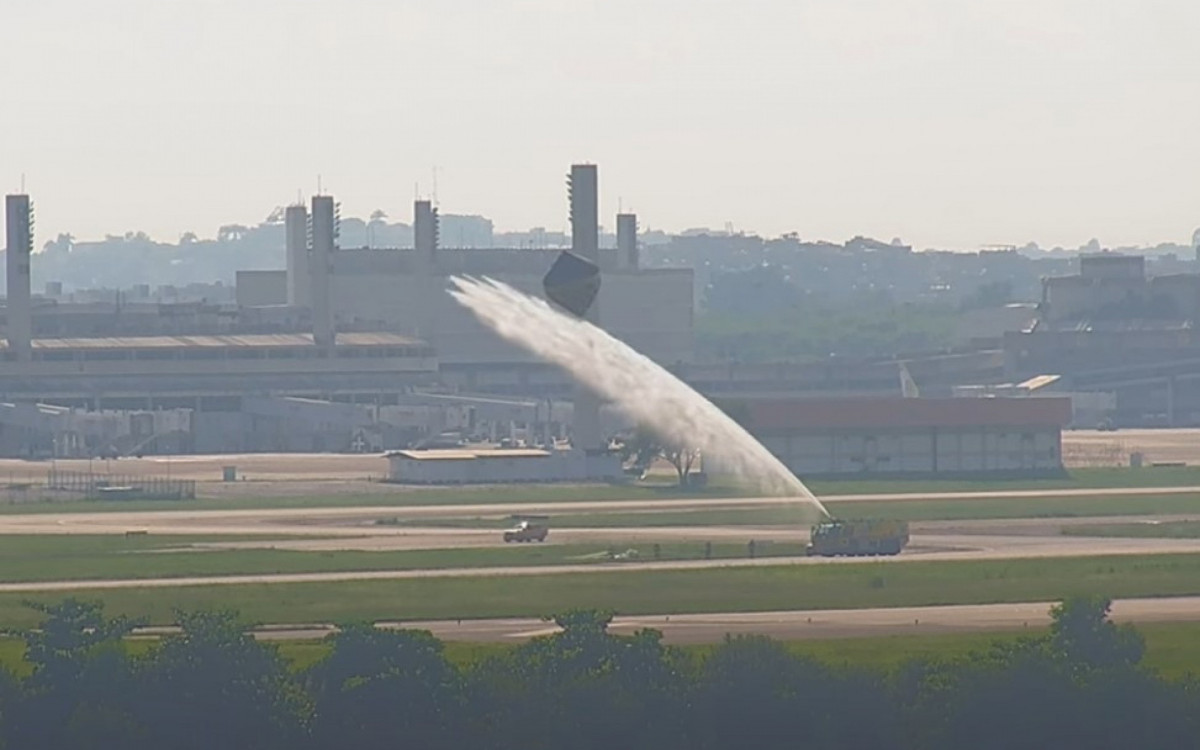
[823, 624]
[929, 548]
[329, 529]
[359, 527]
[691, 629]
[351, 520]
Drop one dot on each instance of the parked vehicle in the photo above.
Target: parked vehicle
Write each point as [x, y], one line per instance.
[527, 531]
[854, 538]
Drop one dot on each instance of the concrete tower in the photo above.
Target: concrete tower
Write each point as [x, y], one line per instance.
[299, 285]
[426, 234]
[583, 193]
[584, 198]
[19, 224]
[322, 243]
[430, 294]
[627, 243]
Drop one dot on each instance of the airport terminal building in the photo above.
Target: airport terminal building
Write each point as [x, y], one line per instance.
[346, 349]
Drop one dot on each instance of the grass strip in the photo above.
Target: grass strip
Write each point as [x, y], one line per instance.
[782, 587]
[1100, 478]
[1172, 649]
[99, 557]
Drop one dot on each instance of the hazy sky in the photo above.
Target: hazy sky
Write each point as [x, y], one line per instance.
[951, 123]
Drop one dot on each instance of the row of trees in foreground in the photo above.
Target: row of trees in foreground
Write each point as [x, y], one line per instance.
[213, 686]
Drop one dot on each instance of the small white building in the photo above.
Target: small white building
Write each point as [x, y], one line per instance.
[490, 466]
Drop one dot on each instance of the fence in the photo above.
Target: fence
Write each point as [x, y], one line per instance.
[1095, 455]
[120, 487]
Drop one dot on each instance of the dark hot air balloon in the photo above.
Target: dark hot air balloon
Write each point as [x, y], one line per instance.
[572, 283]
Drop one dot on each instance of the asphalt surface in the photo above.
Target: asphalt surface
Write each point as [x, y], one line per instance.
[786, 626]
[922, 548]
[356, 528]
[823, 624]
[327, 519]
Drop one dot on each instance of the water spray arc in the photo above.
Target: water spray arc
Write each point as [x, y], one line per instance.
[634, 383]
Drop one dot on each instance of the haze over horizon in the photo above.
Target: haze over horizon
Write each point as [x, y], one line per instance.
[949, 124]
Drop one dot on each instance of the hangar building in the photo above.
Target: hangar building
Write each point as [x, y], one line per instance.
[909, 436]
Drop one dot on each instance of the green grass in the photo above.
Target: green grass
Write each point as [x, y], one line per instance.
[94, 557]
[1172, 649]
[300, 655]
[516, 495]
[781, 587]
[1156, 530]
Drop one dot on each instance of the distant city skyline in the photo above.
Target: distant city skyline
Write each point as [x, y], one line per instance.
[952, 125]
[607, 229]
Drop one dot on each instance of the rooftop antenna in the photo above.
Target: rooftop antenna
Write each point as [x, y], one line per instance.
[435, 197]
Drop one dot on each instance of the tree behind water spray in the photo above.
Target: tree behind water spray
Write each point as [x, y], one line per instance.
[634, 383]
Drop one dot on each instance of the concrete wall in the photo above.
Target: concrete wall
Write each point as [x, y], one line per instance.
[42, 430]
[1112, 266]
[651, 310]
[921, 451]
[562, 466]
[1071, 297]
[299, 283]
[1181, 293]
[909, 436]
[262, 288]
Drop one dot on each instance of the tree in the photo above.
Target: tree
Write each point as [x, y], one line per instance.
[991, 294]
[63, 243]
[78, 694]
[752, 687]
[1082, 634]
[683, 458]
[385, 689]
[214, 685]
[581, 688]
[232, 233]
[643, 446]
